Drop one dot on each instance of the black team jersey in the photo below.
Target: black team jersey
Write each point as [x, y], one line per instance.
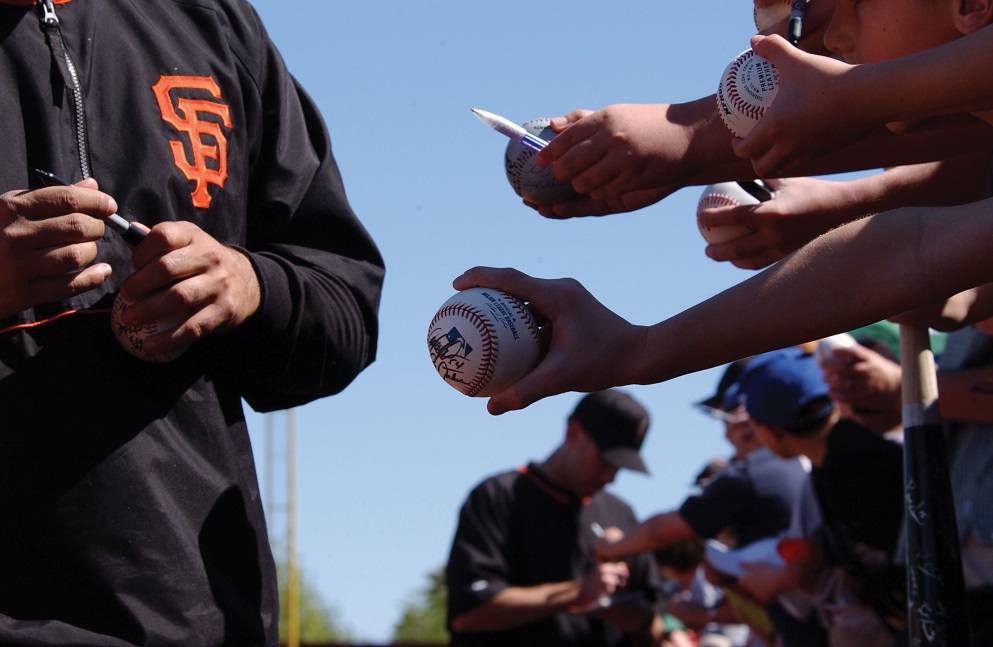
[129, 503]
[518, 529]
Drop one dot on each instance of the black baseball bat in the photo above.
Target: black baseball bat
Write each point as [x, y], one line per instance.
[937, 613]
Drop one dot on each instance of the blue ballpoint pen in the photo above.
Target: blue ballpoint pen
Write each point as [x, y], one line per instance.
[510, 129]
[127, 230]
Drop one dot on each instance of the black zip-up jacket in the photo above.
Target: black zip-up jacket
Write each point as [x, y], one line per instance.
[129, 503]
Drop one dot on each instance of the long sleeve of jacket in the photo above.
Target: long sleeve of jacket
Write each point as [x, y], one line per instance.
[320, 273]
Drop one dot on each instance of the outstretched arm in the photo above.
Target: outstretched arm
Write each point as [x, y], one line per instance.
[652, 534]
[626, 157]
[854, 275]
[804, 208]
[824, 104]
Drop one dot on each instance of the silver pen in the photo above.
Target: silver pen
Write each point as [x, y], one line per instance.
[510, 129]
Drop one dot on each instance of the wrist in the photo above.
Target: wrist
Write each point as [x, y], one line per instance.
[867, 91]
[708, 140]
[638, 371]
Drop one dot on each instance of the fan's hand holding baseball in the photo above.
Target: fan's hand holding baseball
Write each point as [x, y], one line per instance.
[589, 348]
[187, 278]
[47, 242]
[818, 109]
[803, 209]
[623, 156]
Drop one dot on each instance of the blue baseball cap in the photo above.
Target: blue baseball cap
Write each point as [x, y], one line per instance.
[777, 387]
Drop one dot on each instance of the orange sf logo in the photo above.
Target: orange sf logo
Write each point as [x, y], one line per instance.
[207, 140]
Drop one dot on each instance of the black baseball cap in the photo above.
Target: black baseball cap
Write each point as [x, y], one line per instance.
[617, 424]
[716, 405]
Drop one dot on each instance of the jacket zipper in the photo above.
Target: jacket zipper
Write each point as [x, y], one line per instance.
[70, 77]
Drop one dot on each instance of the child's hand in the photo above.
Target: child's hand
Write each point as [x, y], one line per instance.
[589, 347]
[803, 209]
[820, 108]
[622, 156]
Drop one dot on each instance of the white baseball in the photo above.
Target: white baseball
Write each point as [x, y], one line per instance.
[723, 194]
[482, 340]
[826, 346]
[530, 181]
[132, 338]
[748, 87]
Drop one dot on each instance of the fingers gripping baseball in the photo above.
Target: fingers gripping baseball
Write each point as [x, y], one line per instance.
[188, 279]
[565, 139]
[614, 151]
[815, 111]
[583, 336]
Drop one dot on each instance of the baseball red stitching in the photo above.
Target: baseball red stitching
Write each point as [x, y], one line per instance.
[754, 112]
[713, 200]
[526, 315]
[515, 167]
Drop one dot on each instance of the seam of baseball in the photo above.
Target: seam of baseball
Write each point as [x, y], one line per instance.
[734, 96]
[712, 200]
[529, 321]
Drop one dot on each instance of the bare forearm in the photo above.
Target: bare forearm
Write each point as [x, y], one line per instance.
[517, 605]
[852, 276]
[953, 181]
[711, 139]
[932, 82]
[940, 139]
[653, 533]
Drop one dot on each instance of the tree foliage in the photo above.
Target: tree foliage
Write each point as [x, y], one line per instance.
[319, 622]
[423, 618]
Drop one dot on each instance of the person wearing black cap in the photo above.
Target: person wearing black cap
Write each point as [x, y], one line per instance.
[521, 569]
[724, 405]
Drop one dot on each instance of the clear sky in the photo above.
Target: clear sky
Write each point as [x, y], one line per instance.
[384, 466]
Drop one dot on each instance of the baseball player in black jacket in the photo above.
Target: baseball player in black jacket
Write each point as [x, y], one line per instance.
[129, 503]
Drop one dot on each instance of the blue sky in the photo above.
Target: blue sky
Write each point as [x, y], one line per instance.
[384, 466]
